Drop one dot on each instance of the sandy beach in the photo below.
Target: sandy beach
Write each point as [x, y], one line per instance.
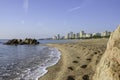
[78, 60]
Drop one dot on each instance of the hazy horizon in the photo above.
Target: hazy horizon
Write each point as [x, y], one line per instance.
[46, 18]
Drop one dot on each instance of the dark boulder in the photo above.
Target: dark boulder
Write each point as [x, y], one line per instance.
[27, 41]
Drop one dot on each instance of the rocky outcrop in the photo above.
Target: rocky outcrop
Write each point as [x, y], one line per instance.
[22, 42]
[109, 66]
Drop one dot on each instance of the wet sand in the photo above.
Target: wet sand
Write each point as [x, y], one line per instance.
[78, 60]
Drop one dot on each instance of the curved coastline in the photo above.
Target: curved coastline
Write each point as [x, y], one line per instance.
[45, 68]
[78, 60]
[42, 68]
[24, 64]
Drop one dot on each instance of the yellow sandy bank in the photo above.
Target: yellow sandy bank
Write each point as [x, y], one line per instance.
[78, 60]
[109, 65]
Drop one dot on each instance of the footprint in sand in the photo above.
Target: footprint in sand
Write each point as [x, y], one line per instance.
[78, 57]
[70, 68]
[85, 77]
[84, 66]
[75, 61]
[88, 59]
[95, 52]
[70, 78]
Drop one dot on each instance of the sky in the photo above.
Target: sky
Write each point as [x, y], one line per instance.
[46, 18]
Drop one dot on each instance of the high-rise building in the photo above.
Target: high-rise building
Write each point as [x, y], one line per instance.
[68, 36]
[54, 37]
[71, 35]
[82, 34]
[96, 34]
[77, 36]
[106, 33]
[58, 36]
[88, 35]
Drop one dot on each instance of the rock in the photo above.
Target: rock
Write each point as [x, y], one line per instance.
[109, 65]
[22, 42]
[13, 41]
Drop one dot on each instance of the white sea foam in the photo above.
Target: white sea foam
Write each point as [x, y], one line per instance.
[38, 71]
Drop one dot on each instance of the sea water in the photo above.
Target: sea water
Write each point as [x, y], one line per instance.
[26, 62]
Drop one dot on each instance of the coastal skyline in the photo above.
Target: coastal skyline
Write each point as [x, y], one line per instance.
[82, 35]
[45, 18]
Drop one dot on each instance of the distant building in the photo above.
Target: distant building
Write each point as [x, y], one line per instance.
[66, 37]
[88, 35]
[63, 37]
[109, 33]
[54, 37]
[58, 36]
[71, 35]
[82, 34]
[96, 34]
[106, 33]
[77, 36]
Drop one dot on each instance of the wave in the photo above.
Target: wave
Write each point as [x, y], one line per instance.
[36, 72]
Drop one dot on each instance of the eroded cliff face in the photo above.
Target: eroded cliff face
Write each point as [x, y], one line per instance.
[109, 66]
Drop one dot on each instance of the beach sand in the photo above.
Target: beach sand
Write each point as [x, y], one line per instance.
[78, 60]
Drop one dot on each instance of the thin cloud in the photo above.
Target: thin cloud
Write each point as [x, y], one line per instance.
[26, 5]
[74, 9]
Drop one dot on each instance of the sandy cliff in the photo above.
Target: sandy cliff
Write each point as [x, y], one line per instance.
[109, 66]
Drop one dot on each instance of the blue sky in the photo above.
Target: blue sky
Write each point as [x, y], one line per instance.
[46, 18]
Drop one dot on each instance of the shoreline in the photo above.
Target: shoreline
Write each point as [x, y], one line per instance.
[45, 68]
[41, 70]
[56, 66]
[73, 63]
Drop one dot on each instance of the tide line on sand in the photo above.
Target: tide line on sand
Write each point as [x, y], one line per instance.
[78, 60]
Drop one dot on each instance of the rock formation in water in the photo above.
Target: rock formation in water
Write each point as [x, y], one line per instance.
[109, 66]
[22, 42]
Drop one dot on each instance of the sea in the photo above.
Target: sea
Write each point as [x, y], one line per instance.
[27, 62]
